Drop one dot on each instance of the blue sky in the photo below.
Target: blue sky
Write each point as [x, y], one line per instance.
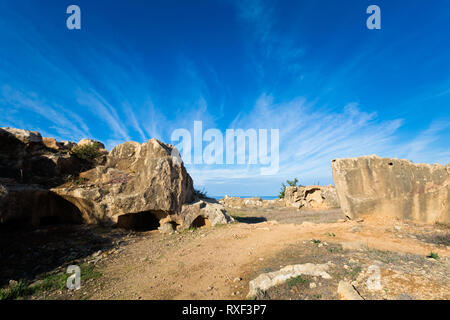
[140, 69]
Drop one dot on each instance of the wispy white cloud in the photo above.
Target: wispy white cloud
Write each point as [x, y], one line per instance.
[63, 121]
[310, 138]
[427, 146]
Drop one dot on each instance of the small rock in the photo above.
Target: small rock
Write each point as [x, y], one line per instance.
[237, 279]
[312, 285]
[96, 254]
[347, 292]
[12, 283]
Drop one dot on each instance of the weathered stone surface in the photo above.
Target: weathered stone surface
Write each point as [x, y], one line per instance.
[371, 185]
[136, 178]
[347, 292]
[84, 142]
[135, 185]
[31, 205]
[25, 157]
[24, 136]
[311, 197]
[267, 280]
[255, 202]
[204, 212]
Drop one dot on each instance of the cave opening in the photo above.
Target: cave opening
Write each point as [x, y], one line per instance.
[200, 222]
[49, 221]
[140, 221]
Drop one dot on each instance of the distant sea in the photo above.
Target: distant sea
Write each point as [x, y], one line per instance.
[262, 197]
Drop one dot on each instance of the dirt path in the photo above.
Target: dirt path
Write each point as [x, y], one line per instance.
[207, 263]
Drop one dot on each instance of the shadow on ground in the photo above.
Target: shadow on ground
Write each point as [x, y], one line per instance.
[25, 254]
[250, 220]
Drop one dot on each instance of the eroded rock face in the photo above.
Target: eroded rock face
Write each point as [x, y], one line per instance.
[24, 205]
[255, 202]
[28, 158]
[136, 178]
[204, 212]
[136, 185]
[311, 197]
[371, 185]
[267, 280]
[84, 142]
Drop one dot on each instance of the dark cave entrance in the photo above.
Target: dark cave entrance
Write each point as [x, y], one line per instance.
[54, 210]
[140, 221]
[200, 222]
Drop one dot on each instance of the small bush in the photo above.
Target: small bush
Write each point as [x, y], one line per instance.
[296, 280]
[290, 183]
[87, 152]
[52, 282]
[433, 255]
[200, 193]
[17, 290]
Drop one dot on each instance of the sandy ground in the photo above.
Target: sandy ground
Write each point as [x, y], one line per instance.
[218, 263]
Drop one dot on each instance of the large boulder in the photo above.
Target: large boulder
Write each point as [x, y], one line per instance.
[255, 202]
[311, 197]
[86, 141]
[135, 178]
[371, 185]
[135, 185]
[29, 166]
[28, 158]
[204, 212]
[140, 186]
[28, 205]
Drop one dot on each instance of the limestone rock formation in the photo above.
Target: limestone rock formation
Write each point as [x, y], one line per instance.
[85, 141]
[23, 205]
[141, 184]
[135, 178]
[347, 292]
[204, 212]
[255, 202]
[45, 181]
[28, 158]
[371, 185]
[29, 166]
[267, 280]
[311, 197]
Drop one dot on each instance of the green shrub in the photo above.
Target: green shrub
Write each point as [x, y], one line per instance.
[296, 280]
[200, 193]
[290, 183]
[433, 255]
[87, 152]
[17, 290]
[52, 282]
